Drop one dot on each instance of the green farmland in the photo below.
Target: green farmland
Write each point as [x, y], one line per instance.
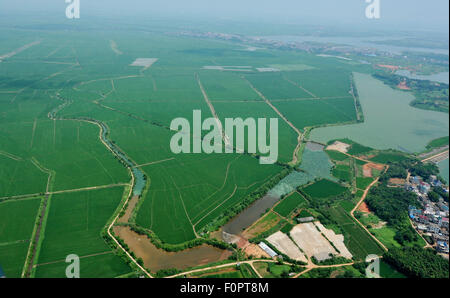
[73, 226]
[87, 159]
[357, 240]
[324, 189]
[16, 227]
[289, 204]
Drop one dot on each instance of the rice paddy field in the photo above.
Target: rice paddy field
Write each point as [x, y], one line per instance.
[73, 87]
[16, 227]
[289, 204]
[73, 226]
[356, 240]
[324, 189]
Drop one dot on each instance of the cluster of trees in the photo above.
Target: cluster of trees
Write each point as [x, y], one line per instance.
[416, 262]
[440, 191]
[394, 171]
[429, 95]
[406, 234]
[415, 167]
[391, 204]
[424, 170]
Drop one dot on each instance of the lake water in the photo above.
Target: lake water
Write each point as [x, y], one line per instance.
[390, 122]
[442, 77]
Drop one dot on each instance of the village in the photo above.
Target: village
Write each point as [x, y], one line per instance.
[431, 220]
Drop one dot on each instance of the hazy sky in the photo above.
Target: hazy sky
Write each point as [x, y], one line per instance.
[416, 14]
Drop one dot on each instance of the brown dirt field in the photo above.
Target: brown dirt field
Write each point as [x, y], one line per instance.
[226, 270]
[255, 250]
[217, 235]
[376, 166]
[367, 170]
[397, 181]
[242, 243]
[364, 208]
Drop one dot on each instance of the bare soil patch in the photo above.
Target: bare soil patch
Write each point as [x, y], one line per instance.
[339, 146]
[311, 241]
[285, 245]
[156, 259]
[363, 207]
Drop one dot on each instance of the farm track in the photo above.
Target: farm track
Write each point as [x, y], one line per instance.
[29, 267]
[27, 196]
[299, 133]
[19, 50]
[355, 101]
[300, 87]
[213, 111]
[366, 192]
[251, 262]
[437, 157]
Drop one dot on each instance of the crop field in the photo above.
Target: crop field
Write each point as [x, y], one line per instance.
[343, 172]
[386, 157]
[107, 265]
[275, 86]
[356, 239]
[16, 227]
[73, 227]
[226, 86]
[286, 135]
[323, 83]
[314, 112]
[20, 177]
[335, 155]
[363, 183]
[193, 202]
[289, 204]
[56, 95]
[324, 189]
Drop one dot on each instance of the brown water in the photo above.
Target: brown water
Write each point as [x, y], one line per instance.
[250, 215]
[156, 259]
[129, 211]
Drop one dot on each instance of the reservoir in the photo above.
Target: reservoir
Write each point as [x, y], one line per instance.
[390, 122]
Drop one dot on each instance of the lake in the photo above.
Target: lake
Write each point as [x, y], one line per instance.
[442, 77]
[390, 122]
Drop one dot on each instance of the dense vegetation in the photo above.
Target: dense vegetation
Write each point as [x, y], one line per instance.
[417, 262]
[437, 143]
[390, 204]
[429, 95]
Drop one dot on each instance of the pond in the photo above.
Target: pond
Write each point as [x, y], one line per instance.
[315, 164]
